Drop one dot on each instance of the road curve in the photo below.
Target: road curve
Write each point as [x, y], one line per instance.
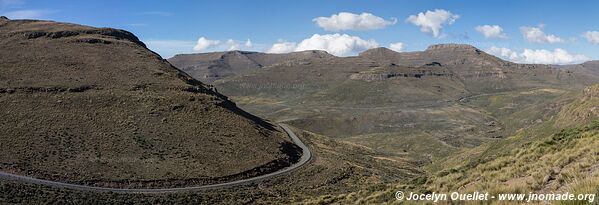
[306, 156]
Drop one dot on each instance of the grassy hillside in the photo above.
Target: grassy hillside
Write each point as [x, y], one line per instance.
[552, 156]
[553, 163]
[95, 106]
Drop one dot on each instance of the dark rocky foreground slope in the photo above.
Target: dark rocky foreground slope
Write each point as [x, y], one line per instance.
[95, 106]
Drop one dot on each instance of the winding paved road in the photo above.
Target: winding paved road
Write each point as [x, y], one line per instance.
[306, 156]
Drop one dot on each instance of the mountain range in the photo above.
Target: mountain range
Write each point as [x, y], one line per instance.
[372, 98]
[95, 107]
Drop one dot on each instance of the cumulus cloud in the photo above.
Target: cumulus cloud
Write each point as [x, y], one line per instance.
[432, 21]
[504, 53]
[204, 43]
[248, 43]
[282, 47]
[558, 56]
[350, 21]
[336, 44]
[232, 45]
[397, 46]
[592, 36]
[536, 35]
[168, 48]
[491, 31]
[229, 45]
[541, 56]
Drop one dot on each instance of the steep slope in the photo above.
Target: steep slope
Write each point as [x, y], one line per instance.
[95, 106]
[217, 65]
[559, 155]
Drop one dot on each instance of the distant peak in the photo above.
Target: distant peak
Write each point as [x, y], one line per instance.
[379, 50]
[239, 52]
[4, 18]
[314, 52]
[453, 46]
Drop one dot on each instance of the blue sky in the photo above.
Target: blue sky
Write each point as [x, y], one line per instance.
[174, 26]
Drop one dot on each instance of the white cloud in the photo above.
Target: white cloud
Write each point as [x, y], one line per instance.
[232, 45]
[491, 31]
[336, 44]
[504, 53]
[27, 14]
[282, 47]
[350, 21]
[536, 35]
[433, 21]
[168, 48]
[592, 36]
[397, 46]
[248, 44]
[541, 56]
[204, 43]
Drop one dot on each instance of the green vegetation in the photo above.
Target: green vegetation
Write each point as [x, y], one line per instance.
[543, 165]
